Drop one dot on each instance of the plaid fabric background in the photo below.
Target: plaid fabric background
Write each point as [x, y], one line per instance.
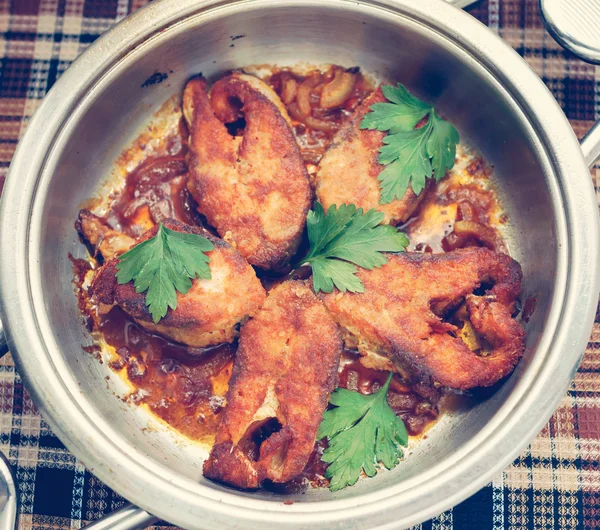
[555, 483]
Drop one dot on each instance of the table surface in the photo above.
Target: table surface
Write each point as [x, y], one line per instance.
[555, 483]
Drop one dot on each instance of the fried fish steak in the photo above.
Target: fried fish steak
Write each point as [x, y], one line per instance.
[400, 315]
[100, 238]
[284, 372]
[349, 169]
[209, 313]
[253, 189]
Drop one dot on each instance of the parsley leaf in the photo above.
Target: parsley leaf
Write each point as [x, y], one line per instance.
[362, 431]
[328, 273]
[344, 237]
[410, 155]
[441, 146]
[405, 152]
[402, 114]
[164, 264]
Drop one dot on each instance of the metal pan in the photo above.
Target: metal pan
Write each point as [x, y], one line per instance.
[443, 55]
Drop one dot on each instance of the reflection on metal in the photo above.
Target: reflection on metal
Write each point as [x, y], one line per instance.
[574, 24]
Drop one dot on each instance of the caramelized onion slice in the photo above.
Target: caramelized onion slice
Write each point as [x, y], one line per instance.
[289, 90]
[304, 92]
[309, 121]
[336, 92]
[484, 234]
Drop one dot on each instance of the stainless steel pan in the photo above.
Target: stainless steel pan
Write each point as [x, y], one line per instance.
[438, 51]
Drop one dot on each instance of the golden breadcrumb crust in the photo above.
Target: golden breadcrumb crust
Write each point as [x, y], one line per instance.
[349, 169]
[102, 239]
[285, 368]
[253, 189]
[398, 315]
[209, 312]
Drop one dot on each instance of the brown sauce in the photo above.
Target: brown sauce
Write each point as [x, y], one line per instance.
[81, 267]
[461, 211]
[186, 387]
[156, 190]
[183, 386]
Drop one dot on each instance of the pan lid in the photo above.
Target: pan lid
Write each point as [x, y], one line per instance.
[574, 24]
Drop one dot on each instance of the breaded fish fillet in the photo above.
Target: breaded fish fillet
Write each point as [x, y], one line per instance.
[349, 169]
[285, 369]
[103, 239]
[399, 315]
[208, 313]
[253, 189]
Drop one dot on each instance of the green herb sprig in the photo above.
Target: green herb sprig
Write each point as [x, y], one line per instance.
[343, 238]
[164, 264]
[410, 155]
[362, 431]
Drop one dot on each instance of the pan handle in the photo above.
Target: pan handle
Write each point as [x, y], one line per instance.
[9, 497]
[590, 145]
[3, 341]
[128, 517]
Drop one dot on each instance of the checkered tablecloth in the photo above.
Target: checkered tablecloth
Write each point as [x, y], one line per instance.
[555, 483]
